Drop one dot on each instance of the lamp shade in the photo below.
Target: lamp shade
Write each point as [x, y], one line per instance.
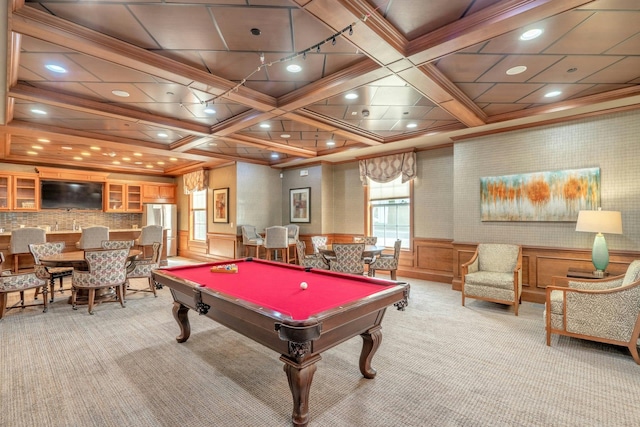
[609, 222]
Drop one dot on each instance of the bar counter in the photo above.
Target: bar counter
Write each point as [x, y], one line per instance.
[70, 237]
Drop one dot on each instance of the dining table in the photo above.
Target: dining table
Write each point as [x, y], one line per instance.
[369, 252]
[77, 260]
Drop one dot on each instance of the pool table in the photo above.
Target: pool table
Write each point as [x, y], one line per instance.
[265, 301]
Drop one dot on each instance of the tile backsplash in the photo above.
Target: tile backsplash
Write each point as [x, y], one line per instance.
[65, 219]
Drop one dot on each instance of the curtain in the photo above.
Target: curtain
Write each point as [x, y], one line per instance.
[388, 168]
[195, 181]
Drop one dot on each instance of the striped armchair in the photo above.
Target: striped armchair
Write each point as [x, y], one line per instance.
[604, 310]
[494, 273]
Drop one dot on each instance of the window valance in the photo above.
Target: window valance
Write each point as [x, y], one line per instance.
[388, 168]
[195, 181]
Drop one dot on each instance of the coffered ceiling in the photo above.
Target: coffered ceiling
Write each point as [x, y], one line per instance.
[164, 87]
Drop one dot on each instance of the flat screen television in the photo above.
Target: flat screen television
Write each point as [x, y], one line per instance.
[70, 195]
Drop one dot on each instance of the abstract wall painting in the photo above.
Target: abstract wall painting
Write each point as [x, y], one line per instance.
[540, 196]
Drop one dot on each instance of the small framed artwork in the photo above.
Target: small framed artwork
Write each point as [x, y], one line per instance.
[300, 204]
[221, 205]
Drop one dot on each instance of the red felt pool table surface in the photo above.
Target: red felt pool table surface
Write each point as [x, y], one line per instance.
[276, 286]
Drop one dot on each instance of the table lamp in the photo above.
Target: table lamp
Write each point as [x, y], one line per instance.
[599, 222]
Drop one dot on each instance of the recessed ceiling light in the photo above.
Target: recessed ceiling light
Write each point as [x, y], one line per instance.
[516, 70]
[138, 163]
[149, 166]
[37, 147]
[120, 93]
[209, 110]
[162, 135]
[412, 125]
[126, 159]
[331, 143]
[94, 148]
[77, 158]
[43, 140]
[351, 96]
[32, 153]
[86, 154]
[531, 34]
[354, 113]
[64, 147]
[160, 163]
[55, 68]
[36, 111]
[265, 125]
[116, 162]
[173, 159]
[294, 68]
[552, 94]
[137, 154]
[275, 156]
[285, 135]
[212, 144]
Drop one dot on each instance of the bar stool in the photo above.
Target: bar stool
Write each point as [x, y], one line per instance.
[21, 238]
[149, 235]
[92, 237]
[276, 239]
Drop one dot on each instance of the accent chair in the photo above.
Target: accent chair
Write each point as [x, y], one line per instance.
[312, 260]
[494, 273]
[142, 269]
[603, 310]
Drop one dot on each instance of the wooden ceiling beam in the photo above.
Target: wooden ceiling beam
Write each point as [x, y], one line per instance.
[270, 145]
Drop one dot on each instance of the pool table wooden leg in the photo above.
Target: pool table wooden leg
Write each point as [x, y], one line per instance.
[371, 340]
[300, 376]
[181, 314]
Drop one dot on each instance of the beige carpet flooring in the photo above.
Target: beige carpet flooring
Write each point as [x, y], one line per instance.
[439, 364]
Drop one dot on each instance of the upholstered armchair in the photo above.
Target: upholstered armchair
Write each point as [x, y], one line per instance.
[348, 258]
[494, 273]
[276, 239]
[20, 282]
[250, 237]
[106, 270]
[387, 262]
[92, 237]
[142, 269]
[50, 274]
[313, 260]
[367, 240]
[604, 310]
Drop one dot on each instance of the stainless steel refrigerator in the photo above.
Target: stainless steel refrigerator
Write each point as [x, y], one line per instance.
[166, 216]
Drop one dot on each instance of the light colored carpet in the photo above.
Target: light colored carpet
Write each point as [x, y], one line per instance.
[440, 364]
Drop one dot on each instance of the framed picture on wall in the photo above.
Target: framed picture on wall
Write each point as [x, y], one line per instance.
[300, 204]
[221, 205]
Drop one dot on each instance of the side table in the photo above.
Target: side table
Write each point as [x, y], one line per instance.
[585, 274]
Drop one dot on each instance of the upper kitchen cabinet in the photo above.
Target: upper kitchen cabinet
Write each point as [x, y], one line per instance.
[154, 192]
[26, 192]
[123, 197]
[5, 192]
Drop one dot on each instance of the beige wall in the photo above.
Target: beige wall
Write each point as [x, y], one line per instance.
[220, 178]
[609, 142]
[258, 196]
[348, 202]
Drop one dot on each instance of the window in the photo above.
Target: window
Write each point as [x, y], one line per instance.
[199, 215]
[390, 211]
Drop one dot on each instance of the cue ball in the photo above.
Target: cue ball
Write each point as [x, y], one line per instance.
[303, 285]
